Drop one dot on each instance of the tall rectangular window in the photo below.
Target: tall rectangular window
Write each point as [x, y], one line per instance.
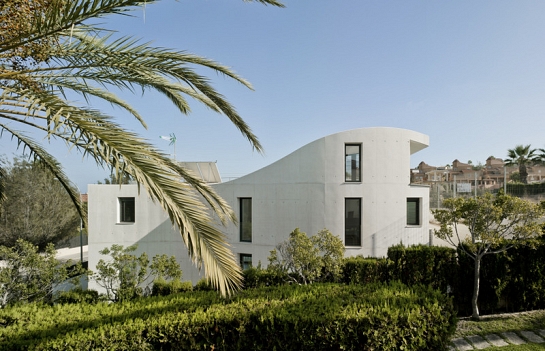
[245, 219]
[245, 261]
[352, 222]
[352, 157]
[413, 211]
[126, 209]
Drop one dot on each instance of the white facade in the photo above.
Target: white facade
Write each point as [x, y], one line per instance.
[306, 189]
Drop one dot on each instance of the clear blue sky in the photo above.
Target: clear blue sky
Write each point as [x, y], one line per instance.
[470, 74]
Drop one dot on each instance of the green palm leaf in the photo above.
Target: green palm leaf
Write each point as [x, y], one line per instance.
[84, 59]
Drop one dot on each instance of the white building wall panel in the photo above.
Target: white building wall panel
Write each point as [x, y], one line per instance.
[305, 189]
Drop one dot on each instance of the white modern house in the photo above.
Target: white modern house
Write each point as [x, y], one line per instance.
[355, 183]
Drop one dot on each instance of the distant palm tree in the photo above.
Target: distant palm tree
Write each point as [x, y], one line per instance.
[522, 156]
[49, 48]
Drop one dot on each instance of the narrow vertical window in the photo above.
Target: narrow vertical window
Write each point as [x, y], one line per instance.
[246, 219]
[126, 209]
[245, 261]
[352, 222]
[413, 211]
[352, 156]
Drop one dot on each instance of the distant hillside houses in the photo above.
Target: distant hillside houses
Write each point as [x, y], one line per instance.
[489, 176]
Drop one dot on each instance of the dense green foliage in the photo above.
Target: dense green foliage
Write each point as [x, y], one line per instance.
[78, 295]
[161, 287]
[295, 317]
[420, 264]
[511, 281]
[303, 259]
[434, 266]
[37, 208]
[359, 270]
[495, 223]
[27, 275]
[124, 275]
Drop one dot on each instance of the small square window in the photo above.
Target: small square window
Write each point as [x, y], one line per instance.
[413, 211]
[126, 210]
[245, 261]
[352, 162]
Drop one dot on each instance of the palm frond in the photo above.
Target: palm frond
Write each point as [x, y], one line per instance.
[100, 138]
[81, 58]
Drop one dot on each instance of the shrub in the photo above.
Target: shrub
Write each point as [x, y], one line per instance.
[125, 275]
[203, 285]
[78, 295]
[359, 270]
[161, 287]
[421, 264]
[28, 275]
[257, 277]
[312, 317]
[306, 259]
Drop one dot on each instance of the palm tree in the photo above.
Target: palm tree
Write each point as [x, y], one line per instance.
[521, 156]
[48, 48]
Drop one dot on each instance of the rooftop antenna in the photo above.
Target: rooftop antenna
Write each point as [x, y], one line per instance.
[172, 139]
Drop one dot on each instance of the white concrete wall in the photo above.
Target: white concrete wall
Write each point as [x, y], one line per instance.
[305, 189]
[152, 229]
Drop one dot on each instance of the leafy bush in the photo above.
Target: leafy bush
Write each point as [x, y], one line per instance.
[312, 317]
[257, 277]
[78, 295]
[421, 264]
[203, 285]
[161, 287]
[125, 275]
[28, 275]
[359, 270]
[306, 259]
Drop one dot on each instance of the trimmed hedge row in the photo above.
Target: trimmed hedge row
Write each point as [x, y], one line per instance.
[314, 317]
[434, 266]
[511, 281]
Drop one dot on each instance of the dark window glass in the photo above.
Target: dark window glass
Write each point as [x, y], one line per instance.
[246, 219]
[413, 211]
[245, 261]
[126, 209]
[352, 222]
[352, 157]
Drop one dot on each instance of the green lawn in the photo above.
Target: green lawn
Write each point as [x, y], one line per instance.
[533, 320]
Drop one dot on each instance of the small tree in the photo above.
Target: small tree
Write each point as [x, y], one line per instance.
[28, 276]
[308, 259]
[125, 275]
[495, 224]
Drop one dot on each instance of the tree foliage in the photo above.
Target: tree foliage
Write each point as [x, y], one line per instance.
[27, 275]
[495, 224]
[125, 275]
[50, 49]
[309, 259]
[37, 208]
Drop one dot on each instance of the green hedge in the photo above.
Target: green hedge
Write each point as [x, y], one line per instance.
[359, 270]
[314, 317]
[161, 287]
[434, 266]
[429, 265]
[511, 281]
